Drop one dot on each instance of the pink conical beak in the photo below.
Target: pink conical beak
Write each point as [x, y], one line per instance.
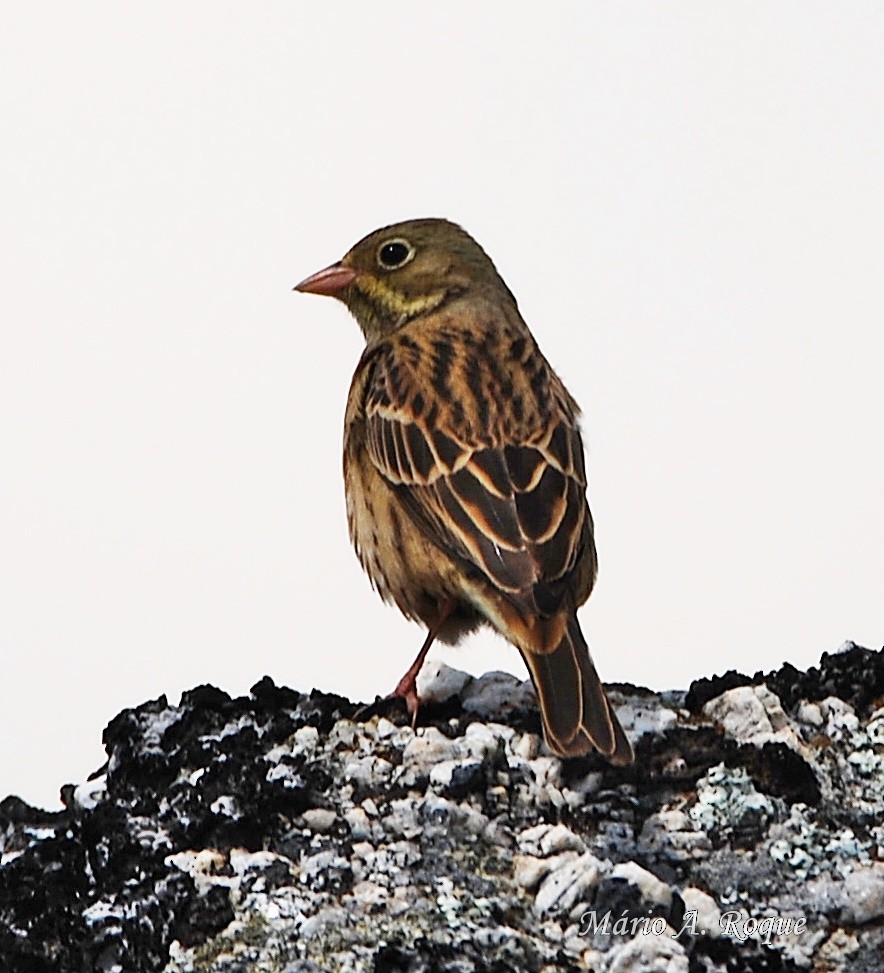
[330, 281]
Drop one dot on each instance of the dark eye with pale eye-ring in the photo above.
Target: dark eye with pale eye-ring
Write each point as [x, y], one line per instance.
[395, 254]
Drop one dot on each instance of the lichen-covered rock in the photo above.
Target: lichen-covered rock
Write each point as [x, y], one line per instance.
[293, 833]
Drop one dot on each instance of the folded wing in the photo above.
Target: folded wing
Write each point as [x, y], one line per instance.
[503, 497]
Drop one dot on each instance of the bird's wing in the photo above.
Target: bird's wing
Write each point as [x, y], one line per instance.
[486, 456]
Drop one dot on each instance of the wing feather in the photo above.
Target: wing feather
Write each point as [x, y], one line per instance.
[504, 496]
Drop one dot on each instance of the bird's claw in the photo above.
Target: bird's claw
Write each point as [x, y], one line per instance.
[405, 690]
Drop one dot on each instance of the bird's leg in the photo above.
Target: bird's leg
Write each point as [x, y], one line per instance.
[406, 688]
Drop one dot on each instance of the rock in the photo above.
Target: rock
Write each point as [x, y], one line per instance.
[276, 831]
[438, 682]
[728, 804]
[864, 895]
[856, 899]
[660, 954]
[497, 695]
[811, 714]
[567, 883]
[428, 748]
[645, 715]
[671, 834]
[319, 819]
[751, 714]
[458, 777]
[708, 913]
[652, 890]
[359, 823]
[528, 870]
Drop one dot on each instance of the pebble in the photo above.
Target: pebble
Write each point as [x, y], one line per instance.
[560, 838]
[430, 747]
[751, 714]
[89, 794]
[672, 833]
[840, 719]
[496, 694]
[708, 913]
[367, 771]
[358, 822]
[568, 883]
[863, 895]
[528, 870]
[438, 682]
[811, 714]
[649, 954]
[454, 774]
[651, 888]
[319, 819]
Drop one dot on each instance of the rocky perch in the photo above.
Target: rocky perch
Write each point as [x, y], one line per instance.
[285, 832]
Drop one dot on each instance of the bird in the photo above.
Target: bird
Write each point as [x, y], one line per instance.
[464, 469]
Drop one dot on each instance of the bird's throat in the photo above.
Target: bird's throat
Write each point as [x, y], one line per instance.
[380, 310]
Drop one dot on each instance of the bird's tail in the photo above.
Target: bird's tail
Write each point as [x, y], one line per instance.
[577, 716]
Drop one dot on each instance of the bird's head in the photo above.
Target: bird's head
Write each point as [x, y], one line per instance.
[402, 271]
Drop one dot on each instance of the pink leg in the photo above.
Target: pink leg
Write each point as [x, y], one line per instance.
[406, 688]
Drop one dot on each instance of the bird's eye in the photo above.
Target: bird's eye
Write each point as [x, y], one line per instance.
[395, 254]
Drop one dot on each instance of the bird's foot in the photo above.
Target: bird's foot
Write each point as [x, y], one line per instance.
[406, 689]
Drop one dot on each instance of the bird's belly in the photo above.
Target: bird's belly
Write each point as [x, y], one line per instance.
[404, 566]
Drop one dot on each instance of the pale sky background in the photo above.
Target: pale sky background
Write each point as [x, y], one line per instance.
[686, 199]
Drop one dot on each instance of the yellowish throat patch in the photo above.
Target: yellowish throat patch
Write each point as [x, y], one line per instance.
[377, 292]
